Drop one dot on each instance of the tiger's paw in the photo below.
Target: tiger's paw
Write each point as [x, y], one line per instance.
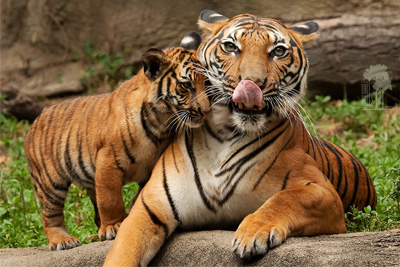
[64, 242]
[108, 232]
[255, 237]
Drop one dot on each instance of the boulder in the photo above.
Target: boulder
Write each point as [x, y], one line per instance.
[212, 248]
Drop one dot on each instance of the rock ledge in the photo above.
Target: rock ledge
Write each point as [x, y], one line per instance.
[212, 248]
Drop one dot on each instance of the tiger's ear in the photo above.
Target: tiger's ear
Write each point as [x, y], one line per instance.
[191, 41]
[211, 22]
[305, 32]
[155, 61]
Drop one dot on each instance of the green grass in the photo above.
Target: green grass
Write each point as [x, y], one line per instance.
[372, 136]
[103, 69]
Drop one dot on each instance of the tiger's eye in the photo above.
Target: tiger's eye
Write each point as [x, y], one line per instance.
[230, 47]
[279, 51]
[186, 85]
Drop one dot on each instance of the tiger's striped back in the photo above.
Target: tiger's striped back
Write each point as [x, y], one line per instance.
[58, 149]
[347, 174]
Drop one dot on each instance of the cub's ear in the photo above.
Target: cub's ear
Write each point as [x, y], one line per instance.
[306, 32]
[211, 22]
[155, 61]
[191, 41]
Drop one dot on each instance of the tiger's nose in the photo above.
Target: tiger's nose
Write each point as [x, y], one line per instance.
[259, 82]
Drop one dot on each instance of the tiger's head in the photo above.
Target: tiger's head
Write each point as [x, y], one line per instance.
[177, 82]
[256, 65]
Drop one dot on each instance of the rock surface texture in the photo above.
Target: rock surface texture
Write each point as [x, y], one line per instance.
[212, 248]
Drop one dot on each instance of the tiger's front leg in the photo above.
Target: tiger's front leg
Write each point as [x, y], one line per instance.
[109, 181]
[143, 232]
[308, 206]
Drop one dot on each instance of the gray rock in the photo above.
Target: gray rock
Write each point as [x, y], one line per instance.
[55, 81]
[212, 248]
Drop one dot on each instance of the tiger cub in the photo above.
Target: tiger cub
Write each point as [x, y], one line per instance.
[103, 142]
[253, 165]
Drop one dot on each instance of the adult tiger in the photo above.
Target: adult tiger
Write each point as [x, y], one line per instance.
[103, 142]
[253, 162]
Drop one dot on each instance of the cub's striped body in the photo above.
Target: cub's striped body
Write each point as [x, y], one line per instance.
[103, 142]
[253, 163]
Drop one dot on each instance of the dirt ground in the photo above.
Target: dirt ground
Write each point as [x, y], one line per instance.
[212, 248]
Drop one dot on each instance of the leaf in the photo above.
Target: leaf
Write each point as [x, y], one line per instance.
[3, 212]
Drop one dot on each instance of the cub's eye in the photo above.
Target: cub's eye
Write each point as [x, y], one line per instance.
[279, 51]
[186, 85]
[230, 47]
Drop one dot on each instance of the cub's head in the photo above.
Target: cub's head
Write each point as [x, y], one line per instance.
[256, 65]
[177, 80]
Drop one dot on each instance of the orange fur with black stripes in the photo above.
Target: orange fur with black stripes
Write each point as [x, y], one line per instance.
[253, 164]
[103, 142]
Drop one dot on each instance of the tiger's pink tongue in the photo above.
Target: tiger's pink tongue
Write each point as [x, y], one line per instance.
[247, 93]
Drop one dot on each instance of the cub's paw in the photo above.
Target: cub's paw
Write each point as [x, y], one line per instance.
[63, 243]
[108, 232]
[256, 236]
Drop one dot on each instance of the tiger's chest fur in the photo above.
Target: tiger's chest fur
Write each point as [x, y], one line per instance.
[227, 176]
[146, 154]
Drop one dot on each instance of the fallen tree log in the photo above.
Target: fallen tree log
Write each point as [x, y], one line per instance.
[20, 105]
[212, 248]
[349, 44]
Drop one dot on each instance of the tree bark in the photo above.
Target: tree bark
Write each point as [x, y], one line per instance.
[351, 43]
